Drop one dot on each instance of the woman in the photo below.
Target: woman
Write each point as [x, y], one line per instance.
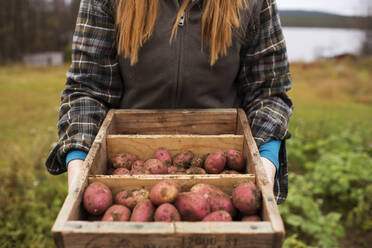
[167, 54]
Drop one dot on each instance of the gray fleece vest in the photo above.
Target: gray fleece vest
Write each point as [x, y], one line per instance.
[179, 75]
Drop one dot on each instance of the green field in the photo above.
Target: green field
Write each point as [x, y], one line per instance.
[330, 155]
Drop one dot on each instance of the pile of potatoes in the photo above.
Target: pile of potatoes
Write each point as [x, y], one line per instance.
[230, 162]
[166, 203]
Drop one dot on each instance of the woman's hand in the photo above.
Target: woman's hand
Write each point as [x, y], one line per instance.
[75, 172]
[270, 170]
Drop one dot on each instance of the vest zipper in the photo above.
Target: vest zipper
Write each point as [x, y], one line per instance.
[182, 20]
[181, 31]
[181, 24]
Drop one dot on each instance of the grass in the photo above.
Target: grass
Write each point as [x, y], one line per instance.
[331, 128]
[29, 197]
[329, 97]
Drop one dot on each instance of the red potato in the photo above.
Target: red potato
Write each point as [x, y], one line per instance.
[197, 162]
[130, 198]
[143, 212]
[163, 155]
[155, 166]
[192, 206]
[124, 160]
[97, 198]
[116, 213]
[221, 202]
[167, 213]
[230, 172]
[183, 159]
[218, 216]
[138, 164]
[203, 189]
[215, 162]
[164, 192]
[195, 170]
[121, 171]
[251, 218]
[246, 198]
[235, 160]
[217, 199]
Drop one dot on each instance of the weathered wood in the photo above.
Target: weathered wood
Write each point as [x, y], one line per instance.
[172, 227]
[224, 182]
[98, 165]
[214, 121]
[223, 228]
[242, 124]
[270, 208]
[95, 162]
[114, 240]
[71, 210]
[144, 146]
[178, 234]
[211, 130]
[107, 127]
[71, 206]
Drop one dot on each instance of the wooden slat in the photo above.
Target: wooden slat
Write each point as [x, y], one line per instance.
[144, 146]
[116, 240]
[207, 122]
[100, 227]
[223, 227]
[241, 125]
[224, 182]
[250, 164]
[178, 234]
[270, 208]
[70, 231]
[170, 228]
[227, 234]
[107, 127]
[71, 209]
[98, 166]
[78, 240]
[254, 240]
[239, 130]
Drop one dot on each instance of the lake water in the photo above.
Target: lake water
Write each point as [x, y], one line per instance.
[308, 44]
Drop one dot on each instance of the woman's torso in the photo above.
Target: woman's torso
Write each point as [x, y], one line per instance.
[180, 75]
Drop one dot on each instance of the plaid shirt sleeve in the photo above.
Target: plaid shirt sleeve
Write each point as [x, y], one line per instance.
[93, 84]
[263, 81]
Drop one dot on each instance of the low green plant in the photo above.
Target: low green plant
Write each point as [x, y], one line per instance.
[332, 190]
[30, 199]
[330, 155]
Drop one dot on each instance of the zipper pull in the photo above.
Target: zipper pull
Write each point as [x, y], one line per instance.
[182, 20]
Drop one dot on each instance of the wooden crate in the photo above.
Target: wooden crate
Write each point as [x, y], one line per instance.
[142, 131]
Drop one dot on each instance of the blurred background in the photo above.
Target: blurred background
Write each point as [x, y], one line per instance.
[330, 153]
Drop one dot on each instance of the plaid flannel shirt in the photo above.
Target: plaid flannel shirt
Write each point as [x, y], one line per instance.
[94, 84]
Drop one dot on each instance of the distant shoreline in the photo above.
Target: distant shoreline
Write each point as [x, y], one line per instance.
[297, 18]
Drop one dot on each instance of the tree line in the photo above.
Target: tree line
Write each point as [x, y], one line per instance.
[31, 26]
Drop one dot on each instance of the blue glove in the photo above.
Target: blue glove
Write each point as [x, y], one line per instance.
[270, 150]
[75, 154]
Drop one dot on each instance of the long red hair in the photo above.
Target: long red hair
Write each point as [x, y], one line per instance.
[135, 20]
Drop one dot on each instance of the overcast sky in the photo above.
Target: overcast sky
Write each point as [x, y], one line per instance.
[344, 7]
